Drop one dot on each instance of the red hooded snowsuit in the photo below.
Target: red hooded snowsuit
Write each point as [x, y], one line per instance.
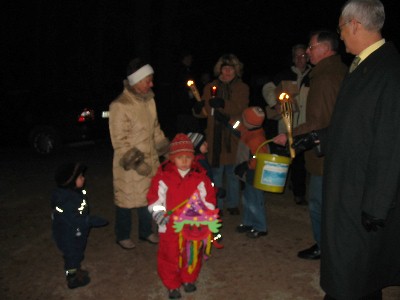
[169, 189]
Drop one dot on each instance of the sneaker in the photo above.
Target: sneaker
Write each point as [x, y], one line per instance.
[126, 244]
[310, 253]
[254, 234]
[174, 294]
[152, 238]
[241, 228]
[78, 279]
[189, 287]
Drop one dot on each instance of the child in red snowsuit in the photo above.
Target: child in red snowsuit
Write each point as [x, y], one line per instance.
[176, 181]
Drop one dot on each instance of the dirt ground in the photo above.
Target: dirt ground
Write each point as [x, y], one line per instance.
[31, 266]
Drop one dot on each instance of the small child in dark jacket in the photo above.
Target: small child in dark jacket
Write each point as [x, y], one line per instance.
[200, 150]
[252, 138]
[71, 221]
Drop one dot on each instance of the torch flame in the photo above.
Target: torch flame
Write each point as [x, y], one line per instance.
[190, 82]
[284, 97]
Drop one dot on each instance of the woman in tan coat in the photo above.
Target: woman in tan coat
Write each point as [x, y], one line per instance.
[230, 99]
[137, 141]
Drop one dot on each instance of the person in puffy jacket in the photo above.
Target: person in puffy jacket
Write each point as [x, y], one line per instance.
[71, 221]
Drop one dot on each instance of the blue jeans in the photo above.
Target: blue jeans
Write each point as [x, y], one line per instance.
[123, 222]
[232, 185]
[254, 205]
[315, 205]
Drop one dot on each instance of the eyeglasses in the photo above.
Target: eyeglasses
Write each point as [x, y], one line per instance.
[339, 28]
[313, 46]
[301, 56]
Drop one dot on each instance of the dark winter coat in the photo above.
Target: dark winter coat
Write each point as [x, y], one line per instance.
[70, 226]
[325, 80]
[70, 212]
[362, 173]
[222, 150]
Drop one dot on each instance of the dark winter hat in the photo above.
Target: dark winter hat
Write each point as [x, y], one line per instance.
[197, 139]
[67, 173]
[181, 144]
[253, 117]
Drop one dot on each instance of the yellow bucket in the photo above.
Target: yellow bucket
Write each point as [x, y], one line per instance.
[271, 171]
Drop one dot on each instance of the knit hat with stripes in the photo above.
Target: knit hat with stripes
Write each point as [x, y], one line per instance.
[180, 145]
[197, 139]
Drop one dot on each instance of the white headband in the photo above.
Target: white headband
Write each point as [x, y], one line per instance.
[144, 71]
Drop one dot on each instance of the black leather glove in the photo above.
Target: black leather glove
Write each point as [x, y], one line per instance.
[305, 142]
[241, 169]
[217, 102]
[224, 119]
[198, 106]
[371, 223]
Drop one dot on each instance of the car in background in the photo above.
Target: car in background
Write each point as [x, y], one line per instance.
[47, 120]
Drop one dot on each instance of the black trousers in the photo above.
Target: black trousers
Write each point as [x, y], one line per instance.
[298, 175]
[377, 295]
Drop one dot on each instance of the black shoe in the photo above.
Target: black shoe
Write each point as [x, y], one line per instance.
[300, 200]
[254, 234]
[189, 287]
[78, 279]
[243, 228]
[233, 211]
[174, 294]
[310, 253]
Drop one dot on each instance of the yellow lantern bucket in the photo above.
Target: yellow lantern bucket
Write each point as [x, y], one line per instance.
[271, 171]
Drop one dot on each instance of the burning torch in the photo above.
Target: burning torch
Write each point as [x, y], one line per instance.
[196, 94]
[287, 116]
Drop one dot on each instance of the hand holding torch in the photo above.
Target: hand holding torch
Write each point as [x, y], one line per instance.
[287, 116]
[196, 94]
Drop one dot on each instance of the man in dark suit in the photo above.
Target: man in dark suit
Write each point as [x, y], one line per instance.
[361, 207]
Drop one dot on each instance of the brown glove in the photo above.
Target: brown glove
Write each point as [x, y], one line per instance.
[134, 160]
[162, 147]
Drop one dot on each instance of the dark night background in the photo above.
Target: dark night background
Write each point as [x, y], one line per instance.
[86, 45]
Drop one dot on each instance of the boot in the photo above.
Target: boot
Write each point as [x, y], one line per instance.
[77, 279]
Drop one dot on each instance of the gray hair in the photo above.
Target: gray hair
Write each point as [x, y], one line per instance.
[370, 13]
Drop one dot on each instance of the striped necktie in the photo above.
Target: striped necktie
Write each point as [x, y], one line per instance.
[354, 64]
